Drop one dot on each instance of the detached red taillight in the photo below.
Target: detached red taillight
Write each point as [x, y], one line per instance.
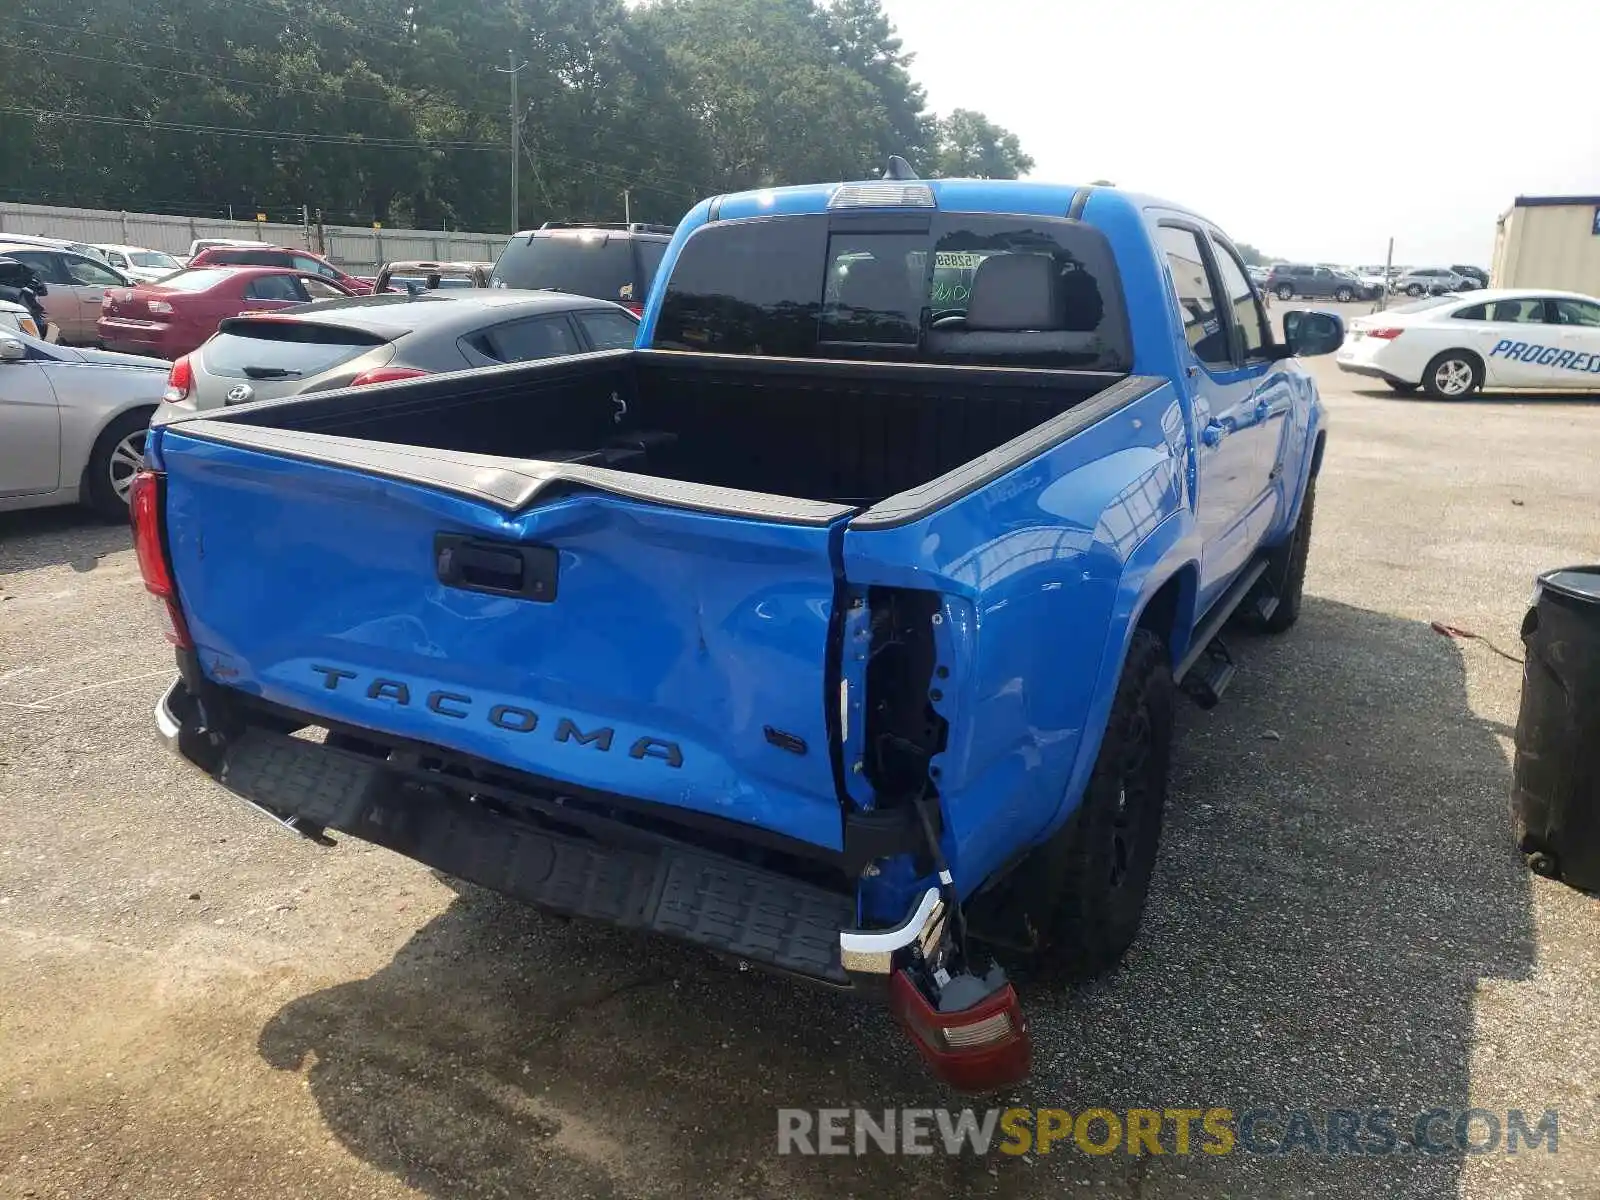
[1385, 335]
[180, 381]
[145, 514]
[385, 375]
[984, 1048]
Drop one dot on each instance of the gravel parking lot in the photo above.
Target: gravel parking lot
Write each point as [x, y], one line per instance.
[193, 1003]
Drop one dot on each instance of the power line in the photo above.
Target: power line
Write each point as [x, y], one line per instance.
[255, 83]
[277, 135]
[630, 142]
[312, 20]
[635, 144]
[118, 38]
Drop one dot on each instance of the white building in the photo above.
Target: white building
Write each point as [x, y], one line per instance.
[1549, 242]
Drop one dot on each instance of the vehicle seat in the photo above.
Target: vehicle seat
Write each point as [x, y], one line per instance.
[1507, 310]
[1023, 305]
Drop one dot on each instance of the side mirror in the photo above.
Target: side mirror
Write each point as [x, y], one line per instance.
[1309, 334]
[12, 350]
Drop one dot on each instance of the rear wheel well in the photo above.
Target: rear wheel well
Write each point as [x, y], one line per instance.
[94, 486]
[1170, 612]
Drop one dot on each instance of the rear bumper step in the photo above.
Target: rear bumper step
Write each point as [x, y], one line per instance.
[709, 899]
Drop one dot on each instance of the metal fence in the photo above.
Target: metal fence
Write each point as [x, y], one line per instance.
[351, 247]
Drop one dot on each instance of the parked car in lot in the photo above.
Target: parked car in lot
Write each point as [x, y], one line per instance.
[72, 424]
[426, 276]
[48, 243]
[76, 283]
[140, 264]
[170, 318]
[1451, 346]
[609, 262]
[1432, 281]
[15, 318]
[281, 256]
[22, 289]
[842, 620]
[202, 244]
[1373, 283]
[375, 339]
[1287, 281]
[1477, 275]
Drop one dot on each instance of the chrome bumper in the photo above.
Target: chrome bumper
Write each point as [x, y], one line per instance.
[167, 724]
[879, 952]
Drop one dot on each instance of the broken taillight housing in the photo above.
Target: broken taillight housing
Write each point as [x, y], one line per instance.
[982, 1048]
[149, 543]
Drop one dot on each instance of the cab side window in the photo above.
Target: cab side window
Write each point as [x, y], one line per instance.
[274, 287]
[1248, 314]
[1203, 324]
[89, 273]
[48, 267]
[1519, 312]
[1577, 312]
[318, 290]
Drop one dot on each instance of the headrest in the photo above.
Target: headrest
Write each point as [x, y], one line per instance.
[1012, 292]
[877, 284]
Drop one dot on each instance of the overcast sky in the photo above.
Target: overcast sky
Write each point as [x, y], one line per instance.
[1290, 124]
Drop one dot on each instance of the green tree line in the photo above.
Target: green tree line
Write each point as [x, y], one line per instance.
[399, 110]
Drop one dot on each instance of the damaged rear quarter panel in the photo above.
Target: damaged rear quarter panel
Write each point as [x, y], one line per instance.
[1031, 566]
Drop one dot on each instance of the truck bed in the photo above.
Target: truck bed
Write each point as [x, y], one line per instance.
[833, 432]
[625, 574]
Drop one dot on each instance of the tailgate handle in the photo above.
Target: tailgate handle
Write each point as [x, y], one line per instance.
[498, 568]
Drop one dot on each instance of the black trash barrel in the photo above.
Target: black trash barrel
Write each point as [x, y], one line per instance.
[1556, 783]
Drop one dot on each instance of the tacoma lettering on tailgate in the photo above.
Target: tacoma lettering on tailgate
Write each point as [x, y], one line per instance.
[458, 706]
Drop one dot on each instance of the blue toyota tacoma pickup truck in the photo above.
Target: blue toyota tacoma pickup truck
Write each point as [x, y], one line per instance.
[836, 627]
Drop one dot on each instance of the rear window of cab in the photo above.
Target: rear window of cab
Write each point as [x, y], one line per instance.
[805, 287]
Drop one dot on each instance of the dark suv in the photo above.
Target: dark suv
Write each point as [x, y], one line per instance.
[609, 262]
[1288, 280]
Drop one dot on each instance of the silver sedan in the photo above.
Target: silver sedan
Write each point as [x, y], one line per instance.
[72, 423]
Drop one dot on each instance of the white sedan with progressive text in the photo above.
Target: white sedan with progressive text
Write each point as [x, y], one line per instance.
[1451, 346]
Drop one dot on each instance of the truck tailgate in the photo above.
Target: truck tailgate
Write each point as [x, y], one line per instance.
[599, 640]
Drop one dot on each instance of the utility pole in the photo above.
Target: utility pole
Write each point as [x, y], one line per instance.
[512, 71]
[305, 225]
[627, 208]
[1388, 266]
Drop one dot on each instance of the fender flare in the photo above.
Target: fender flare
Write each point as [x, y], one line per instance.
[1171, 551]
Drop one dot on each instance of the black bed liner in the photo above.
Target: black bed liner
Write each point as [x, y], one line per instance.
[888, 441]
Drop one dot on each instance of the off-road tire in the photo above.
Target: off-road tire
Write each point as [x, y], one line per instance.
[107, 466]
[1286, 568]
[1090, 881]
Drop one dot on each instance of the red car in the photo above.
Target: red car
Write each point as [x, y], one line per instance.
[171, 318]
[280, 256]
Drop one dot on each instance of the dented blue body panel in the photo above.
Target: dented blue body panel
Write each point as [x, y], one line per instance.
[703, 634]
